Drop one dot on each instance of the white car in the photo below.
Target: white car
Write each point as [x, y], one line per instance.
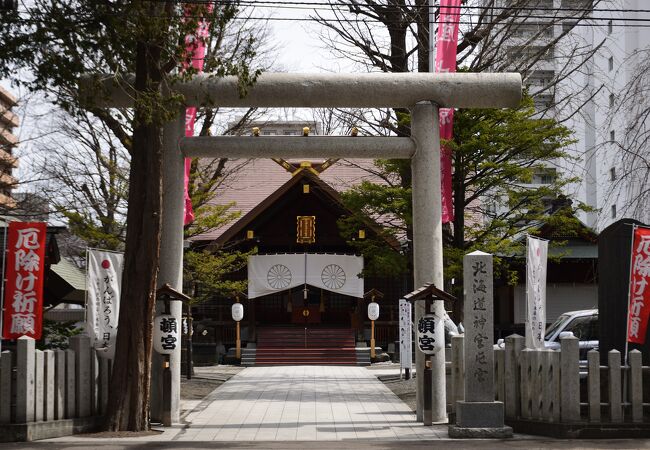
[582, 324]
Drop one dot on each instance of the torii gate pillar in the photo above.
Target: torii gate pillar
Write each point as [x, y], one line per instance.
[427, 248]
[170, 270]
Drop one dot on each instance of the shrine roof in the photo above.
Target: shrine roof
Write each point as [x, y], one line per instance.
[255, 181]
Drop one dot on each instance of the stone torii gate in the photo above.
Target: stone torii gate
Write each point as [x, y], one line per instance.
[422, 93]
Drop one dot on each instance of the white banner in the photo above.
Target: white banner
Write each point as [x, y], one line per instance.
[336, 273]
[103, 284]
[536, 292]
[274, 273]
[405, 335]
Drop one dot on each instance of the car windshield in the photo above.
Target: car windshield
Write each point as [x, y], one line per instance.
[550, 331]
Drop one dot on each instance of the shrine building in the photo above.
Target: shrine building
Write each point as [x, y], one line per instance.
[307, 300]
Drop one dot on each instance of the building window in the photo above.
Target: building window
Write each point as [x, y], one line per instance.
[612, 174]
[610, 27]
[611, 100]
[544, 176]
[612, 135]
[611, 63]
[613, 211]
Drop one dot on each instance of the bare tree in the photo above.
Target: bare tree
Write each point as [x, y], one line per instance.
[630, 115]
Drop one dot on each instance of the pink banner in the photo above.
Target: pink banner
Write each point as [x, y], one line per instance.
[195, 47]
[446, 45]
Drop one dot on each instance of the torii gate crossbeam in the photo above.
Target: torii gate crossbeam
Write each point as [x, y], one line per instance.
[422, 93]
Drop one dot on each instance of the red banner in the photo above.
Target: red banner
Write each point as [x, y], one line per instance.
[446, 46]
[639, 304]
[25, 271]
[195, 47]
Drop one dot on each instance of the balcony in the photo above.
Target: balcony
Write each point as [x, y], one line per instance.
[7, 180]
[7, 201]
[7, 138]
[8, 119]
[7, 160]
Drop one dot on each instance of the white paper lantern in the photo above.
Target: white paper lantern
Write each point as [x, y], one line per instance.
[166, 336]
[373, 311]
[430, 334]
[237, 312]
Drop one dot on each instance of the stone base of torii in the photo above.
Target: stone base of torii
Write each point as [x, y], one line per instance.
[422, 93]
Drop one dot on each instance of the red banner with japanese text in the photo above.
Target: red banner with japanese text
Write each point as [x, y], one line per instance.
[195, 48]
[639, 303]
[446, 46]
[25, 272]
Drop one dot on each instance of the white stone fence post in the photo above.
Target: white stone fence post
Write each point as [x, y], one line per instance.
[555, 386]
[42, 387]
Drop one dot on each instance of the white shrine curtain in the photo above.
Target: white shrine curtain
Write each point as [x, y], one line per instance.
[273, 273]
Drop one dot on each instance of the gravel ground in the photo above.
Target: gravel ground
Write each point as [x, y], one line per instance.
[204, 381]
[404, 389]
[197, 388]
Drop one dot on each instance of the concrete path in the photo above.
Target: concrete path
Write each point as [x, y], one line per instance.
[304, 403]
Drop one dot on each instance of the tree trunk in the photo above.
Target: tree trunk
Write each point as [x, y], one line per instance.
[128, 405]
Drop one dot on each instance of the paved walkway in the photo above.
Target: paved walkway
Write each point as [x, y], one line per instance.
[304, 403]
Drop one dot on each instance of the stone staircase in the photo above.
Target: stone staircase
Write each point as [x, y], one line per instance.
[277, 346]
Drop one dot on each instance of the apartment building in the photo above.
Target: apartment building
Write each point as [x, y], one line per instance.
[581, 75]
[8, 142]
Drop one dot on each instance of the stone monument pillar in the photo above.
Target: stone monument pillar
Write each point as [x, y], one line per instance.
[479, 416]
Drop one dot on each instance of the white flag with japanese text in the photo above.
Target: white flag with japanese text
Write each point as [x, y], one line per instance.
[536, 292]
[103, 284]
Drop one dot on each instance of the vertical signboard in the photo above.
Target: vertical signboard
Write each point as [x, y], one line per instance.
[536, 292]
[25, 271]
[639, 294]
[405, 335]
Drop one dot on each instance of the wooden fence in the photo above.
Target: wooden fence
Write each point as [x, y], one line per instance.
[552, 386]
[51, 385]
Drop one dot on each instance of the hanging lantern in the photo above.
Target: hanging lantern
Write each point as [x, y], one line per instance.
[237, 312]
[373, 310]
[165, 334]
[430, 338]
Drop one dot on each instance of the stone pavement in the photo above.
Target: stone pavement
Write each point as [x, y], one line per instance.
[304, 403]
[294, 403]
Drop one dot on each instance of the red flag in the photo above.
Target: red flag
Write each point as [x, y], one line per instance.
[25, 271]
[195, 47]
[639, 295]
[446, 46]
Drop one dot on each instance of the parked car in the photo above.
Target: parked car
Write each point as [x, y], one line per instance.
[583, 324]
